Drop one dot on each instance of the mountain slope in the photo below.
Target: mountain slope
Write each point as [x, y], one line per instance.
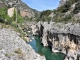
[20, 5]
[67, 11]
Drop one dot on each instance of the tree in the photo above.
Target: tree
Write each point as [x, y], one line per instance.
[14, 15]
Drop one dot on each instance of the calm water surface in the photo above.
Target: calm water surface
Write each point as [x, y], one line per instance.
[38, 47]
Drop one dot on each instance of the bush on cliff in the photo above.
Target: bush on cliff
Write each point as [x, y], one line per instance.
[4, 18]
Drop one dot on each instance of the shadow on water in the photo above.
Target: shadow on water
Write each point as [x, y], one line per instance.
[38, 47]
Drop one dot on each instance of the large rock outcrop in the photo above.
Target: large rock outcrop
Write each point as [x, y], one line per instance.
[12, 47]
[64, 38]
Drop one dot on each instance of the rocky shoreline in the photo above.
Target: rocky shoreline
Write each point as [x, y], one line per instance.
[64, 38]
[12, 47]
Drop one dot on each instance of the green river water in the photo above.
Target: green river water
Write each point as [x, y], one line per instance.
[38, 47]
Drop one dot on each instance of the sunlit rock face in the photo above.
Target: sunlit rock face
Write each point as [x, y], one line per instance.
[12, 47]
[11, 11]
[64, 38]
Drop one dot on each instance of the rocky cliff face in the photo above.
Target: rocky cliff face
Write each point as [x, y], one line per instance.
[12, 47]
[64, 38]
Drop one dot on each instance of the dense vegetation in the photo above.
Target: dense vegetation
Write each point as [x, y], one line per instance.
[44, 16]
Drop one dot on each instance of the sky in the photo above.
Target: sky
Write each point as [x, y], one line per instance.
[41, 5]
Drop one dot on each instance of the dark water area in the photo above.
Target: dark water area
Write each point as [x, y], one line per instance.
[39, 48]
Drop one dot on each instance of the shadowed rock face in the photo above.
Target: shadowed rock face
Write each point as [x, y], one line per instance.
[60, 37]
[41, 30]
[75, 38]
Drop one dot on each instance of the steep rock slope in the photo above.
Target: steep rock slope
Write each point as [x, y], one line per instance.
[12, 47]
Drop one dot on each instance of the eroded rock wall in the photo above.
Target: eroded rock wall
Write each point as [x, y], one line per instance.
[64, 38]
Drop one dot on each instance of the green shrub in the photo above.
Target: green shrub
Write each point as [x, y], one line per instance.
[20, 19]
[4, 18]
[8, 19]
[3, 12]
[18, 51]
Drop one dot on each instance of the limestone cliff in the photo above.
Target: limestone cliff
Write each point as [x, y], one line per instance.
[64, 38]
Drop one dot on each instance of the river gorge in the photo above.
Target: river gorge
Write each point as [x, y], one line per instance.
[46, 51]
[60, 38]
